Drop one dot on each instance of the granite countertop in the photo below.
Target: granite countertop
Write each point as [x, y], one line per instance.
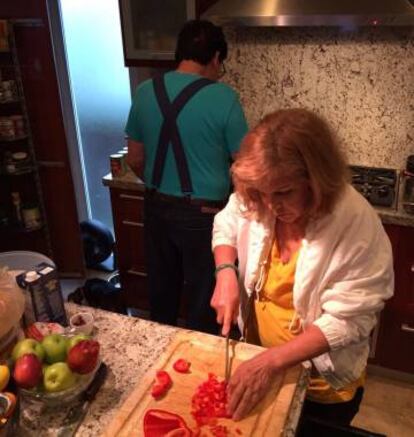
[388, 215]
[127, 182]
[129, 347]
[395, 217]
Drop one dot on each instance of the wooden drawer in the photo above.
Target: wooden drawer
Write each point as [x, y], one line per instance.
[127, 210]
[127, 205]
[134, 289]
[130, 247]
[397, 340]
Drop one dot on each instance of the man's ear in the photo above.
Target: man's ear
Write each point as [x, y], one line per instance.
[216, 59]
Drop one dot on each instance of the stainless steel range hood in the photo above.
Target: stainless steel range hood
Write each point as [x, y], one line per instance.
[342, 13]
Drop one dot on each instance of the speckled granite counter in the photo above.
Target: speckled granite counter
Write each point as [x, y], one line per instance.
[396, 217]
[129, 347]
[127, 182]
[388, 216]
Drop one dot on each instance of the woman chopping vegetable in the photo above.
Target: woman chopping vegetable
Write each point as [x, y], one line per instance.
[303, 263]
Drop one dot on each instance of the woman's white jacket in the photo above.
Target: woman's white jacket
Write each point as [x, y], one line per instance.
[344, 273]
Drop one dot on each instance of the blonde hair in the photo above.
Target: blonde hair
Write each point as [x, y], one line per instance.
[298, 141]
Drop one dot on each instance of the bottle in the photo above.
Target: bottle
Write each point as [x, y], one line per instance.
[117, 163]
[17, 208]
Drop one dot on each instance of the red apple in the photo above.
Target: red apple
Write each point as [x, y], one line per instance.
[28, 371]
[83, 357]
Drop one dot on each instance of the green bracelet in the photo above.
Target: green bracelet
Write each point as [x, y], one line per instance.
[226, 266]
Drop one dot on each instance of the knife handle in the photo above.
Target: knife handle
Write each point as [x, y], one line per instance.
[97, 382]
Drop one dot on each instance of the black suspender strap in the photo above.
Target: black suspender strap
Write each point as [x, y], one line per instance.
[170, 133]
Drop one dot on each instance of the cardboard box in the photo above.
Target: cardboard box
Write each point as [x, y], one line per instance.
[44, 300]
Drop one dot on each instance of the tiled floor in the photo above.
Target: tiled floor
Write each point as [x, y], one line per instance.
[69, 285]
[387, 407]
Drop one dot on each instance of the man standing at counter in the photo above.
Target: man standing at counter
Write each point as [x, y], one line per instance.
[184, 128]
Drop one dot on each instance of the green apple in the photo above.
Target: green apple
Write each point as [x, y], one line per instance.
[55, 348]
[28, 346]
[76, 339]
[58, 377]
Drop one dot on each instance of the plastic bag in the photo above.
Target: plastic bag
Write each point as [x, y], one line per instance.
[12, 301]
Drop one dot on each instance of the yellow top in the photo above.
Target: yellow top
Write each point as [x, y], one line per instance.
[277, 324]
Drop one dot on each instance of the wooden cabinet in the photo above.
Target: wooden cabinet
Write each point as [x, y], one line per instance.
[395, 344]
[40, 86]
[128, 215]
[149, 29]
[127, 210]
[33, 48]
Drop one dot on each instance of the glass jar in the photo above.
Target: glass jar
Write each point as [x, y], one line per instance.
[31, 217]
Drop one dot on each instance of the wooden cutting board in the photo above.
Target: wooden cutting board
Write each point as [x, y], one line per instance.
[206, 354]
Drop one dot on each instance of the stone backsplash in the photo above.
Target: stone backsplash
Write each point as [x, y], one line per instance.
[361, 81]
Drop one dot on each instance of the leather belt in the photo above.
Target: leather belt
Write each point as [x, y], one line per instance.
[184, 200]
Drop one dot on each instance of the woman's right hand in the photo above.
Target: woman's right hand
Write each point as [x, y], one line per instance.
[226, 299]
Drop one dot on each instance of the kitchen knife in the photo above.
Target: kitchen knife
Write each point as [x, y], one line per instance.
[77, 413]
[227, 365]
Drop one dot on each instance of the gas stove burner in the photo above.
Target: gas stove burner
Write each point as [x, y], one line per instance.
[377, 185]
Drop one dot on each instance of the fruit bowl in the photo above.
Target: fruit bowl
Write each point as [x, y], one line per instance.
[59, 398]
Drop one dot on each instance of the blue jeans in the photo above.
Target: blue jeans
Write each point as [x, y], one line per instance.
[180, 263]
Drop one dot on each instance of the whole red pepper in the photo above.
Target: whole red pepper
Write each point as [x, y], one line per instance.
[160, 423]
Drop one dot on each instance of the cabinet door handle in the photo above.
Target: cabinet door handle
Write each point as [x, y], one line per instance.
[29, 22]
[131, 197]
[405, 327]
[51, 164]
[130, 223]
[136, 273]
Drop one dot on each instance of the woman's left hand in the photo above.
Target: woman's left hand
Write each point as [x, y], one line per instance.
[250, 383]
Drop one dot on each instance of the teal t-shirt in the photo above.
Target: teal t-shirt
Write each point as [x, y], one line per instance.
[212, 125]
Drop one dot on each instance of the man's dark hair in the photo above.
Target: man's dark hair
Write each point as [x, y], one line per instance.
[199, 40]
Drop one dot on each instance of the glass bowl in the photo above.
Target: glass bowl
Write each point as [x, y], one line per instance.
[52, 399]
[87, 323]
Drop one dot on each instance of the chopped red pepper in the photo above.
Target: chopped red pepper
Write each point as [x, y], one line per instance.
[160, 423]
[219, 431]
[182, 366]
[209, 401]
[163, 378]
[162, 384]
[158, 390]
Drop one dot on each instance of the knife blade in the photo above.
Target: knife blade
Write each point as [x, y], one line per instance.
[227, 364]
[76, 414]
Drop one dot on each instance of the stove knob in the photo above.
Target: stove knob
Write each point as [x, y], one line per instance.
[383, 191]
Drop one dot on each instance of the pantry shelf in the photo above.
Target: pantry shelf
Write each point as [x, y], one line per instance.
[10, 102]
[23, 223]
[11, 140]
[15, 231]
[19, 172]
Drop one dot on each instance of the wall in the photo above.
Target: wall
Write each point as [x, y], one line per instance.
[361, 81]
